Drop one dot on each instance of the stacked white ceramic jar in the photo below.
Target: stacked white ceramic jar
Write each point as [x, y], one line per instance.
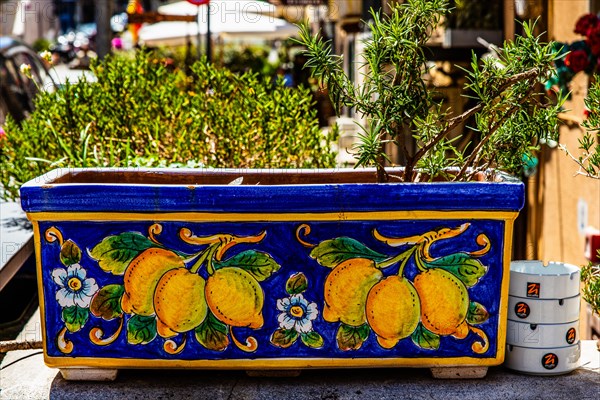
[543, 318]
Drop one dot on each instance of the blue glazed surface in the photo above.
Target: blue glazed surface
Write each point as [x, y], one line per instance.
[45, 196]
[282, 244]
[455, 247]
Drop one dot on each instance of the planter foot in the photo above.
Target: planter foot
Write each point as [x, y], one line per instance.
[274, 373]
[88, 374]
[458, 372]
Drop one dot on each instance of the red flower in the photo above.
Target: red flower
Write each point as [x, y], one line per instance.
[585, 23]
[577, 60]
[593, 40]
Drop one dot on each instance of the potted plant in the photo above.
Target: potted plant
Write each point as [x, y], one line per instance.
[291, 269]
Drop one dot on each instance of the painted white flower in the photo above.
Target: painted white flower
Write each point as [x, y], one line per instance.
[75, 289]
[296, 313]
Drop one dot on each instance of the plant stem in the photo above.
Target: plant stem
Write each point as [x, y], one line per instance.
[211, 254]
[405, 261]
[204, 254]
[382, 175]
[452, 123]
[474, 157]
[401, 257]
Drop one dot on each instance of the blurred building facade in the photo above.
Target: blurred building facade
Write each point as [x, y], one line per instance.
[31, 20]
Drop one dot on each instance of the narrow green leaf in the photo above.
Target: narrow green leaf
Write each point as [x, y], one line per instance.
[462, 265]
[284, 338]
[106, 303]
[212, 334]
[259, 264]
[70, 253]
[141, 329]
[75, 317]
[296, 283]
[312, 339]
[477, 313]
[425, 339]
[114, 253]
[352, 337]
[330, 253]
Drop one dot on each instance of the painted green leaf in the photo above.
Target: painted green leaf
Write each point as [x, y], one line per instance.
[75, 317]
[70, 253]
[141, 329]
[114, 253]
[312, 339]
[352, 337]
[106, 303]
[465, 267]
[296, 283]
[477, 313]
[284, 338]
[259, 264]
[425, 339]
[330, 253]
[212, 334]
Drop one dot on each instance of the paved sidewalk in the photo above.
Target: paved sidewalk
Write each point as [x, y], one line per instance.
[30, 379]
[61, 73]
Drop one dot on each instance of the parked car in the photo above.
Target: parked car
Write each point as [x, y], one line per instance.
[17, 92]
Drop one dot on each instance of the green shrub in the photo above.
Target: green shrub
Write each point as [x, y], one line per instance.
[41, 45]
[140, 113]
[590, 277]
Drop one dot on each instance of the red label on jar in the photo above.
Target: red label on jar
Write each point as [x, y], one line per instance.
[571, 334]
[550, 361]
[533, 289]
[522, 310]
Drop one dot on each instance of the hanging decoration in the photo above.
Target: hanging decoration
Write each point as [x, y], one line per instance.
[135, 7]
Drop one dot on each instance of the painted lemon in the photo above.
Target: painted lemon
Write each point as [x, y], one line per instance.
[393, 310]
[444, 302]
[235, 297]
[179, 302]
[346, 290]
[142, 276]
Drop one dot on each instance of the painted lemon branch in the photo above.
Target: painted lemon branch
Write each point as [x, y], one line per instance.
[164, 297]
[510, 115]
[360, 298]
[442, 283]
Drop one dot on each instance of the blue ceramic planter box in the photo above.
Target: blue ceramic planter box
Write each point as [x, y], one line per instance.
[288, 270]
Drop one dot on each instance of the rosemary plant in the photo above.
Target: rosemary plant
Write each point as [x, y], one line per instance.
[589, 143]
[590, 277]
[511, 113]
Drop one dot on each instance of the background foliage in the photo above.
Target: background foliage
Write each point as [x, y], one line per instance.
[589, 143]
[140, 113]
[590, 276]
